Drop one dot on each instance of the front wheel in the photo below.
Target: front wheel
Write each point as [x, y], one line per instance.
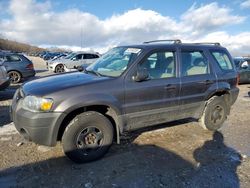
[87, 137]
[215, 113]
[59, 68]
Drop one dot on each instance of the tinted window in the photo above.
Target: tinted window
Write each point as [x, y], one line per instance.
[193, 63]
[160, 65]
[223, 60]
[90, 56]
[78, 57]
[12, 58]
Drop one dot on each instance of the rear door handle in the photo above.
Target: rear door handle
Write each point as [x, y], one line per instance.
[170, 87]
[206, 82]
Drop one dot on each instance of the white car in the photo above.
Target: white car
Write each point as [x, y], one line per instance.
[72, 61]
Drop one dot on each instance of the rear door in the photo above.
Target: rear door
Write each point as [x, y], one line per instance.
[155, 100]
[197, 77]
[13, 62]
[90, 58]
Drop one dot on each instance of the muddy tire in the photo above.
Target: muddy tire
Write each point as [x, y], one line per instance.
[88, 137]
[215, 113]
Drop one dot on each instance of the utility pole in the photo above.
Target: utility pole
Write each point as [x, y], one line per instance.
[81, 36]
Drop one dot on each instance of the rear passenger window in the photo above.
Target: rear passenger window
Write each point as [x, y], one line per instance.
[193, 63]
[223, 60]
[13, 58]
[90, 56]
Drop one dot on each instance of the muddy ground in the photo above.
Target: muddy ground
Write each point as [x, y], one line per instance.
[176, 154]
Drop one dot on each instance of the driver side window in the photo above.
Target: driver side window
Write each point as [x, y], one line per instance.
[160, 65]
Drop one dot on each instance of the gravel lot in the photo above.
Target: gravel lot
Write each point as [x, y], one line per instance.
[176, 154]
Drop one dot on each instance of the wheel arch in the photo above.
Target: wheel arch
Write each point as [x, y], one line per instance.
[108, 111]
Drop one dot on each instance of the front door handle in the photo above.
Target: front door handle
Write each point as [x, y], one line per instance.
[170, 87]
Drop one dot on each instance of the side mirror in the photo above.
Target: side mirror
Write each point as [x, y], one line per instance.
[141, 75]
[74, 59]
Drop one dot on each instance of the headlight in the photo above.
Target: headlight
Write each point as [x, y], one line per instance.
[37, 104]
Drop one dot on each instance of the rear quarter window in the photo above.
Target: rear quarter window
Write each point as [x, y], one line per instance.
[223, 60]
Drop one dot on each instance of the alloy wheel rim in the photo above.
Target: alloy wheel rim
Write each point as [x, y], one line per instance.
[59, 68]
[14, 77]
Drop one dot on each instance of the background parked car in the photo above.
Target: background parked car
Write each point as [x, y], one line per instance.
[4, 78]
[52, 55]
[72, 61]
[18, 66]
[243, 68]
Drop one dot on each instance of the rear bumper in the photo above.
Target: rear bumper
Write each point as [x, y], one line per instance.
[4, 83]
[28, 73]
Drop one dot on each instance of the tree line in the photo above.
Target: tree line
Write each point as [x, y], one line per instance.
[14, 46]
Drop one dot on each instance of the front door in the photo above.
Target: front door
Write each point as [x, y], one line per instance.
[155, 100]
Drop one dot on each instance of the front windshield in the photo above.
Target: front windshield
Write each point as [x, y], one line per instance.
[70, 55]
[115, 61]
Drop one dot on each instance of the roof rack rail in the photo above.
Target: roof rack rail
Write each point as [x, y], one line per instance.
[212, 43]
[175, 41]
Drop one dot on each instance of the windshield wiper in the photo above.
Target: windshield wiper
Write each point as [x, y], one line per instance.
[93, 72]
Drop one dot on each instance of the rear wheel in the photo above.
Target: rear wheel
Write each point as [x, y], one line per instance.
[87, 137]
[59, 68]
[15, 77]
[215, 113]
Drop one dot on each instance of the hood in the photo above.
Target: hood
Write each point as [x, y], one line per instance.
[50, 84]
[59, 61]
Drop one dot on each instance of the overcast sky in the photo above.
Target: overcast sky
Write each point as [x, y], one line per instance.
[101, 24]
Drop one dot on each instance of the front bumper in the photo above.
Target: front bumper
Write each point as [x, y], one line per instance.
[41, 128]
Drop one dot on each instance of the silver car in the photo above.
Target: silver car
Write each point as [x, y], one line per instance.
[4, 78]
[72, 61]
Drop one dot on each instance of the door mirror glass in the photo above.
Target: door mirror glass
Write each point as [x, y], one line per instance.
[141, 75]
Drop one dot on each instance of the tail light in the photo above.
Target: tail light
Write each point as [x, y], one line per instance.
[30, 66]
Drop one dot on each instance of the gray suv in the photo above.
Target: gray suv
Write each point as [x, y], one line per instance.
[128, 88]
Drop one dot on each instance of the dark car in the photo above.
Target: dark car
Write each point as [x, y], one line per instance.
[243, 67]
[128, 88]
[18, 66]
